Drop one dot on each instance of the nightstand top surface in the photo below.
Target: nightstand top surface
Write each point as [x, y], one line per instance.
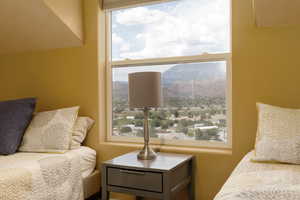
[163, 161]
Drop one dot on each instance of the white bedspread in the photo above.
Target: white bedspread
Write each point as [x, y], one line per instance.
[262, 181]
[87, 160]
[40, 176]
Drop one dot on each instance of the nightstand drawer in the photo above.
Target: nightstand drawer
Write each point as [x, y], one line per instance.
[150, 181]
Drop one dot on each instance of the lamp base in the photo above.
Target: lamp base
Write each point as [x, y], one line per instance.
[146, 153]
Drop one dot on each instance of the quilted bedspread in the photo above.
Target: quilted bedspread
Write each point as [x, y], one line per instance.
[40, 176]
[262, 181]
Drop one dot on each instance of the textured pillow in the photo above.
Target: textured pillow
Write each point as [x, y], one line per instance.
[278, 134]
[80, 129]
[15, 116]
[50, 131]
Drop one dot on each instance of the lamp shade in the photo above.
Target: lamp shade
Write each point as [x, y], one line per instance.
[144, 89]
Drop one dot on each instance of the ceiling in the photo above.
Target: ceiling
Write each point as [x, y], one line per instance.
[30, 25]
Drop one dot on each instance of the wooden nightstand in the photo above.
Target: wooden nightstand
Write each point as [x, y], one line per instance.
[161, 178]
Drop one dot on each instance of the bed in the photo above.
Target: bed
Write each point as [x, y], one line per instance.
[43, 176]
[90, 175]
[262, 181]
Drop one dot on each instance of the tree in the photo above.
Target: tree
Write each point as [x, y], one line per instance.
[153, 133]
[165, 125]
[140, 133]
[139, 116]
[191, 133]
[201, 135]
[115, 123]
[126, 129]
[138, 123]
[190, 114]
[175, 113]
[183, 123]
[155, 123]
[210, 134]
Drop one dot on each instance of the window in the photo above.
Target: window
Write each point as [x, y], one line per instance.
[188, 41]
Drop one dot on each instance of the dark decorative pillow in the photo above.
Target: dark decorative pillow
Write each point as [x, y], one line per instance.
[15, 116]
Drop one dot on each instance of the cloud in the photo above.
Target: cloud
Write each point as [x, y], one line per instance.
[139, 15]
[119, 43]
[125, 47]
[190, 27]
[116, 39]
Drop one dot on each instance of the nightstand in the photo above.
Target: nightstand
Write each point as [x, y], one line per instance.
[161, 178]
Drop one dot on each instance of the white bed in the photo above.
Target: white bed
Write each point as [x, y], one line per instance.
[262, 181]
[43, 176]
[87, 160]
[91, 176]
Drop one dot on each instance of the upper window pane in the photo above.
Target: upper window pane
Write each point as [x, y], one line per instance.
[176, 28]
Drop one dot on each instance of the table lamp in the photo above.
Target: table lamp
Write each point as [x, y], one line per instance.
[145, 93]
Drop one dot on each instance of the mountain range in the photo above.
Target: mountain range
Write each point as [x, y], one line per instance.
[186, 80]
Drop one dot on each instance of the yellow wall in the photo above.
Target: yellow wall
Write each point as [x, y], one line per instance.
[70, 11]
[265, 68]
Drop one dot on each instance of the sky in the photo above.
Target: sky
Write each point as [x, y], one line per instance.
[175, 28]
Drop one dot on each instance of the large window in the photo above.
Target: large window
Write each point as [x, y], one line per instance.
[188, 41]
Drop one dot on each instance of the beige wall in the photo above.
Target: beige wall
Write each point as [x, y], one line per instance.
[70, 12]
[265, 68]
[39, 25]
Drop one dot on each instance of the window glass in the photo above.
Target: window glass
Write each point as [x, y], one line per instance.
[194, 103]
[175, 28]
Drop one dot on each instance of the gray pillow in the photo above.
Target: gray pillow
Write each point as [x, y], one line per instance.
[15, 116]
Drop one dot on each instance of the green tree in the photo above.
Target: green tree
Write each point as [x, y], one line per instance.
[176, 113]
[191, 133]
[140, 133]
[139, 123]
[165, 125]
[201, 135]
[210, 134]
[139, 116]
[190, 114]
[155, 123]
[153, 133]
[125, 129]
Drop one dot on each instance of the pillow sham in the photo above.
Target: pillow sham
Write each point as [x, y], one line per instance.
[80, 129]
[50, 131]
[278, 134]
[15, 115]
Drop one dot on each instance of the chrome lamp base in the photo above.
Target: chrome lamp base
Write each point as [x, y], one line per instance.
[146, 153]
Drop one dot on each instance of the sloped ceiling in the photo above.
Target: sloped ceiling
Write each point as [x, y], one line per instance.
[28, 25]
[272, 13]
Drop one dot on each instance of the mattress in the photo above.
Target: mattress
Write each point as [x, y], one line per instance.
[87, 160]
[265, 181]
[41, 176]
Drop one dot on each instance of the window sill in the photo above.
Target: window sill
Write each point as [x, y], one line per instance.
[173, 149]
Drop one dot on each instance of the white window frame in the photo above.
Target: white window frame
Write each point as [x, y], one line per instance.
[207, 57]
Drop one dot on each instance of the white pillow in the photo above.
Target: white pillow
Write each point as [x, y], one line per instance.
[50, 131]
[80, 129]
[278, 134]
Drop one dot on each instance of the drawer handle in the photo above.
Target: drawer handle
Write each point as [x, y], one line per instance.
[132, 172]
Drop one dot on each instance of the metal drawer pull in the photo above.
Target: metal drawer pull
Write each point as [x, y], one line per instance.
[132, 172]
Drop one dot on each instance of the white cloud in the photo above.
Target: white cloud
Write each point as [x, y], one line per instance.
[120, 43]
[139, 15]
[125, 47]
[192, 27]
[116, 39]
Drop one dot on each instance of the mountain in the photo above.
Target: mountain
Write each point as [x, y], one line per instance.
[185, 80]
[192, 80]
[194, 71]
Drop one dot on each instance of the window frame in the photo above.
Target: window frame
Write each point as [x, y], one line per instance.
[207, 57]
